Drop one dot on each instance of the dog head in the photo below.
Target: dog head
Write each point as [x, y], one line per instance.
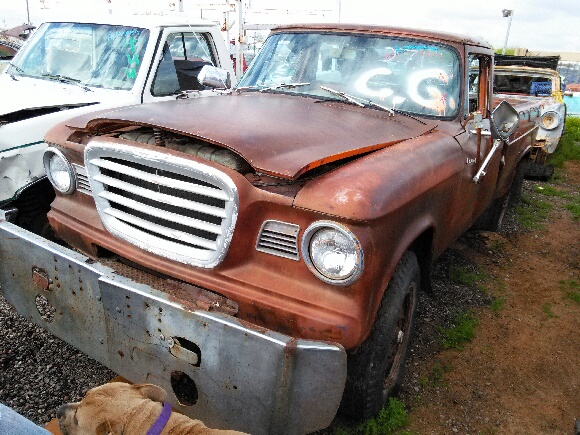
[104, 409]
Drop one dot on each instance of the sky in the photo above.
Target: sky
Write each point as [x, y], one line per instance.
[538, 25]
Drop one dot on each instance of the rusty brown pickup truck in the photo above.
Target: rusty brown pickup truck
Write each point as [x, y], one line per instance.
[259, 254]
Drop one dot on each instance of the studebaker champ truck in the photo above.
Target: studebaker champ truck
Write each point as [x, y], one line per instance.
[70, 68]
[259, 254]
[515, 81]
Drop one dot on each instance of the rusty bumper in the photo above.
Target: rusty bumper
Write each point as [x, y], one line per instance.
[214, 367]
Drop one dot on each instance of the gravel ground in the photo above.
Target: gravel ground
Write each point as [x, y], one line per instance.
[39, 372]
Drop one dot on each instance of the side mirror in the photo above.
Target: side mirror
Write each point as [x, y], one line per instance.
[504, 120]
[214, 77]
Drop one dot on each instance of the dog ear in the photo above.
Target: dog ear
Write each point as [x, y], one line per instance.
[152, 392]
[109, 428]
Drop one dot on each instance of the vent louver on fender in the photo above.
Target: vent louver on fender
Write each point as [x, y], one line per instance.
[167, 205]
[279, 238]
[82, 179]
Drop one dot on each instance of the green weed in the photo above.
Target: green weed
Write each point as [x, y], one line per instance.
[571, 290]
[547, 309]
[461, 331]
[574, 208]
[552, 191]
[464, 276]
[436, 378]
[568, 148]
[530, 213]
[390, 419]
[497, 304]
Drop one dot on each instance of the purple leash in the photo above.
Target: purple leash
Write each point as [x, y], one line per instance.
[161, 420]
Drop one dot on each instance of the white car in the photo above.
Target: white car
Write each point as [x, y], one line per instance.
[69, 68]
[542, 85]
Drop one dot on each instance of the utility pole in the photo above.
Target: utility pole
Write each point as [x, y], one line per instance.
[507, 13]
[239, 60]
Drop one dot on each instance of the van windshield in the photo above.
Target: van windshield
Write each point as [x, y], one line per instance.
[399, 74]
[88, 54]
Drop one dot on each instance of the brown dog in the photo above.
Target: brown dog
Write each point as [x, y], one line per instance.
[119, 408]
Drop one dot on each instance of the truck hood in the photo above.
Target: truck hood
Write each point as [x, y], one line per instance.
[27, 94]
[281, 135]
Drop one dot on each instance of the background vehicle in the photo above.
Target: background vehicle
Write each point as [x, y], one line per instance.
[534, 78]
[70, 68]
[10, 42]
[259, 254]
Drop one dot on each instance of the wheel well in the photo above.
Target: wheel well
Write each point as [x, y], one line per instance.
[423, 249]
[37, 195]
[33, 204]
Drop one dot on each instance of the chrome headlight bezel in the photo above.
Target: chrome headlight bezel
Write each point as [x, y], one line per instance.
[51, 153]
[356, 249]
[552, 124]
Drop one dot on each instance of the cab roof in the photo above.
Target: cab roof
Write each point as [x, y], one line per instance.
[144, 21]
[385, 30]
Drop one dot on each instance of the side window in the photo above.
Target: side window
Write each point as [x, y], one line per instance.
[473, 84]
[184, 54]
[477, 84]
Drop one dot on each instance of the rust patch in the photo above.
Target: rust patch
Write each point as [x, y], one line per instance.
[189, 296]
[195, 297]
[41, 278]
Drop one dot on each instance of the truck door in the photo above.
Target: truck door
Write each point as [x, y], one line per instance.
[180, 56]
[476, 141]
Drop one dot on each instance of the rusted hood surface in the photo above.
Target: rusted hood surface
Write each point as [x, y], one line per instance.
[280, 135]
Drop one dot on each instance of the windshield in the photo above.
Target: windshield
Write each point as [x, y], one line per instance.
[89, 54]
[403, 74]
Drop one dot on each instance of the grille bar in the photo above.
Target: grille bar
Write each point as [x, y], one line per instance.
[159, 229]
[162, 214]
[161, 180]
[161, 197]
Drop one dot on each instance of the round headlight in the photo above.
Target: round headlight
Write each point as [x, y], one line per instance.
[332, 253]
[59, 171]
[550, 120]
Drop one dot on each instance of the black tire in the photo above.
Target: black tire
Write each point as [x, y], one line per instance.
[539, 171]
[493, 216]
[376, 369]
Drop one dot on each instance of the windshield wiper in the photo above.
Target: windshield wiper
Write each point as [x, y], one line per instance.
[264, 88]
[361, 102]
[349, 98]
[250, 88]
[283, 86]
[65, 79]
[17, 68]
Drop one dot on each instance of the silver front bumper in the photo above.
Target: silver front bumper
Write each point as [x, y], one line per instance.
[236, 376]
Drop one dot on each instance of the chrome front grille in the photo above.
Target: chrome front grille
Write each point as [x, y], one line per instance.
[171, 206]
[279, 238]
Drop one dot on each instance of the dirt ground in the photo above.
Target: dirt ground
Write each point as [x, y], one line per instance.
[521, 373]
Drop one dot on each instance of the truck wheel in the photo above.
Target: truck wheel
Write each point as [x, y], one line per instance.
[375, 369]
[492, 218]
[537, 171]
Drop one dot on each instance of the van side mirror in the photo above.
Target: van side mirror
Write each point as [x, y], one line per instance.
[214, 77]
[504, 120]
